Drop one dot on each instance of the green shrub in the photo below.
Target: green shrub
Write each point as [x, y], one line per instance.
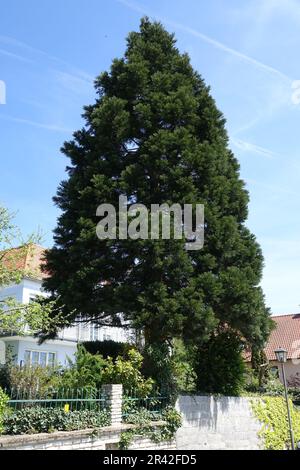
[85, 371]
[251, 384]
[128, 372]
[91, 370]
[44, 420]
[184, 372]
[141, 416]
[28, 378]
[3, 404]
[158, 363]
[273, 386]
[219, 365]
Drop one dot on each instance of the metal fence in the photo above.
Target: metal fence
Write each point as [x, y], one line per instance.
[86, 398]
[153, 405]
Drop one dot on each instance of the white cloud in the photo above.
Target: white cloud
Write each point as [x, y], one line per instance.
[15, 56]
[49, 127]
[74, 83]
[252, 148]
[213, 42]
[72, 75]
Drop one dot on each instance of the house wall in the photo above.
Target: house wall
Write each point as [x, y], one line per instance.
[17, 347]
[15, 291]
[30, 288]
[291, 368]
[62, 351]
[217, 423]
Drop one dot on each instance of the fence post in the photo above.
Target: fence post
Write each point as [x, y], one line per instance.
[114, 394]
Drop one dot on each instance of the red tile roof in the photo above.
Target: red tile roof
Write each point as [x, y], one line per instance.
[27, 259]
[286, 333]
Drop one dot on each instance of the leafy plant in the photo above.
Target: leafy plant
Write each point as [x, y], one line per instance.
[93, 370]
[146, 427]
[29, 379]
[85, 371]
[158, 363]
[128, 372]
[39, 420]
[273, 386]
[272, 413]
[184, 373]
[3, 404]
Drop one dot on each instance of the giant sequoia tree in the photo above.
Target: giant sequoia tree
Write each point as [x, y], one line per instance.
[155, 135]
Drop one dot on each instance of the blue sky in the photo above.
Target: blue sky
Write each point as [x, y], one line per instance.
[246, 50]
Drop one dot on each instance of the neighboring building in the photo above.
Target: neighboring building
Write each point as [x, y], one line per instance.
[25, 349]
[286, 335]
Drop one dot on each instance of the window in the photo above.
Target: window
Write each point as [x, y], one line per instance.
[27, 357]
[51, 359]
[94, 332]
[42, 358]
[274, 371]
[35, 358]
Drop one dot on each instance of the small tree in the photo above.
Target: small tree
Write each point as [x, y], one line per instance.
[14, 316]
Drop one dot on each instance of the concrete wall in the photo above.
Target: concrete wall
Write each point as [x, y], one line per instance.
[89, 439]
[217, 423]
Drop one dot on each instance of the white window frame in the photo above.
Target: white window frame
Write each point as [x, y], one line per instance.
[94, 332]
[30, 351]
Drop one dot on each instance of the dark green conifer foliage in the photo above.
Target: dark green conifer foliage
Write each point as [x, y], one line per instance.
[156, 135]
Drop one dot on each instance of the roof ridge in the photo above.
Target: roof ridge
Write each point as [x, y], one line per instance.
[285, 315]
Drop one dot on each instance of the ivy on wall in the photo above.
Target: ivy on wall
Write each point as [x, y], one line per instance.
[146, 427]
[272, 413]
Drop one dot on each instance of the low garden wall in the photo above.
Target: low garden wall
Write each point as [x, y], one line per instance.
[106, 438]
[217, 423]
[197, 423]
[35, 428]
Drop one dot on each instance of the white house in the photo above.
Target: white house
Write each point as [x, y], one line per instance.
[25, 349]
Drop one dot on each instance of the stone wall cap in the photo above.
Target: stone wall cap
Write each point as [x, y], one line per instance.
[66, 435]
